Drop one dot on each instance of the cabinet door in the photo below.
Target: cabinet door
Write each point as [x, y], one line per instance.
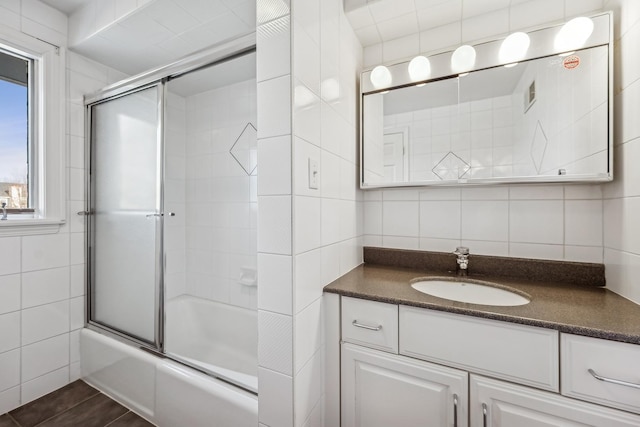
[383, 390]
[495, 403]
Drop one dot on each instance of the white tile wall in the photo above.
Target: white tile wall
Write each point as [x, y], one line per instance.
[275, 346]
[45, 286]
[9, 293]
[53, 380]
[621, 207]
[276, 398]
[312, 233]
[44, 321]
[308, 334]
[9, 369]
[276, 293]
[9, 331]
[275, 263]
[39, 274]
[221, 208]
[10, 255]
[44, 356]
[548, 222]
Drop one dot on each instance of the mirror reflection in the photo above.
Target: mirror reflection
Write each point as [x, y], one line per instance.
[545, 118]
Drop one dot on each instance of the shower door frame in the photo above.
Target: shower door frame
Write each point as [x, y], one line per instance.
[158, 343]
[157, 77]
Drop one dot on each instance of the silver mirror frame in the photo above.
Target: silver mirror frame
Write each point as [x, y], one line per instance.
[542, 45]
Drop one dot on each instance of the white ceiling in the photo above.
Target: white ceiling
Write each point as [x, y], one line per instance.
[384, 20]
[67, 6]
[164, 31]
[376, 21]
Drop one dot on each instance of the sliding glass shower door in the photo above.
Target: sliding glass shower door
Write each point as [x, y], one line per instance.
[125, 224]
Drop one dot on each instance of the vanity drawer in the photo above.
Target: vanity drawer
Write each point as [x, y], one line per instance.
[370, 323]
[522, 354]
[607, 359]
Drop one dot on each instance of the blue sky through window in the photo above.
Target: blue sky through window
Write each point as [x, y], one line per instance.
[13, 132]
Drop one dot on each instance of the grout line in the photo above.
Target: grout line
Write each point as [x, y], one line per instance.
[113, 421]
[13, 419]
[70, 408]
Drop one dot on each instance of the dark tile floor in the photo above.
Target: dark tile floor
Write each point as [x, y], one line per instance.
[76, 404]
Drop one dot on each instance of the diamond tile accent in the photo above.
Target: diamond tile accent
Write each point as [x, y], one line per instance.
[245, 149]
[538, 147]
[451, 167]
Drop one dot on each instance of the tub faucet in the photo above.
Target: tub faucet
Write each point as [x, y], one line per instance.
[463, 260]
[4, 211]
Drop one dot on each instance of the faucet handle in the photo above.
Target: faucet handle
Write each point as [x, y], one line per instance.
[461, 250]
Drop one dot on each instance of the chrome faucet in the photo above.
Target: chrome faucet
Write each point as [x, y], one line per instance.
[4, 211]
[463, 260]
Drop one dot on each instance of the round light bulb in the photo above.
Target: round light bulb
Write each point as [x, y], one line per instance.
[419, 68]
[463, 59]
[380, 77]
[514, 47]
[574, 34]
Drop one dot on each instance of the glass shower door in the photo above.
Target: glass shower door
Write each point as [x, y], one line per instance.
[125, 243]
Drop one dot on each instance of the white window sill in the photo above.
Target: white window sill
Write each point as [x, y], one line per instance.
[29, 226]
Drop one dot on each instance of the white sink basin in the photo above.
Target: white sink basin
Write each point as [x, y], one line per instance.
[473, 293]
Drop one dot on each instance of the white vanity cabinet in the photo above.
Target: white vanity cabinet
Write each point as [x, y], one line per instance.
[516, 353]
[600, 371]
[496, 403]
[406, 366]
[384, 390]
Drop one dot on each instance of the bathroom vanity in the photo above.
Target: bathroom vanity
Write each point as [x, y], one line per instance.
[568, 358]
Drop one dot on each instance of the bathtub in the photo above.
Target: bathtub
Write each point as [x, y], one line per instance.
[166, 392]
[215, 337]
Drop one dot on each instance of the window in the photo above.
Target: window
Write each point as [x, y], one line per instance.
[14, 132]
[32, 131]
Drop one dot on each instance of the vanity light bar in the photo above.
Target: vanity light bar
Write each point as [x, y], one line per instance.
[583, 32]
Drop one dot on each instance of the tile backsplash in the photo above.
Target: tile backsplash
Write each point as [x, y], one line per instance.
[542, 221]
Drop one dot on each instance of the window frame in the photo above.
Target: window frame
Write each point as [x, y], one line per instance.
[47, 125]
[32, 103]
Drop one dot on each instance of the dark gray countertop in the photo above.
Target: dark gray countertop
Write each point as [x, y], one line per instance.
[582, 310]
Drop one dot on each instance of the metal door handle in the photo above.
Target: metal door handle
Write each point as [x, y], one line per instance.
[484, 415]
[160, 214]
[84, 213]
[371, 328]
[612, 381]
[455, 410]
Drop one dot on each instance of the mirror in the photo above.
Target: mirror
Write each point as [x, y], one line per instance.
[543, 119]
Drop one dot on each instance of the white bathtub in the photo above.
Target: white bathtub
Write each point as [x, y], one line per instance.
[168, 393]
[219, 338]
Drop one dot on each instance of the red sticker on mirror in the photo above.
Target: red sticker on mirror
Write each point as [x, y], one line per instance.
[571, 62]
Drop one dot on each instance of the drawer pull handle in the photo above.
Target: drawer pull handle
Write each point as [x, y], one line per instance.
[455, 410]
[484, 415]
[613, 381]
[371, 328]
